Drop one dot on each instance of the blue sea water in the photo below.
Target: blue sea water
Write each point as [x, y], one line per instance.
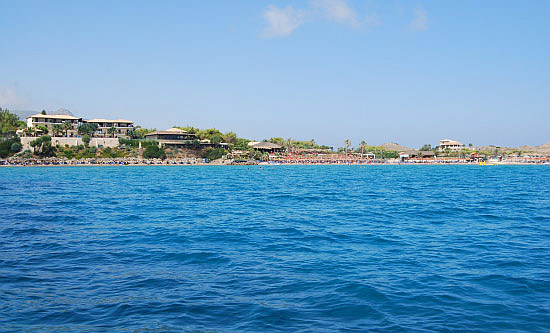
[275, 249]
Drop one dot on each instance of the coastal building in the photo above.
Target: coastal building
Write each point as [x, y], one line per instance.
[266, 147]
[405, 155]
[49, 120]
[114, 128]
[178, 138]
[173, 137]
[450, 144]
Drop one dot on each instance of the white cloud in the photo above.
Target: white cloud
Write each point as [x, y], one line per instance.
[338, 11]
[420, 21]
[9, 98]
[282, 21]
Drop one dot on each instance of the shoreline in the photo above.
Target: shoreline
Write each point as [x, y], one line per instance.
[260, 165]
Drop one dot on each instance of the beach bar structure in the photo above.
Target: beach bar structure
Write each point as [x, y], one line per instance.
[121, 127]
[49, 120]
[266, 147]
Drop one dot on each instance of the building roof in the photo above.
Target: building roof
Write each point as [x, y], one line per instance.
[54, 116]
[449, 142]
[266, 145]
[100, 120]
[172, 130]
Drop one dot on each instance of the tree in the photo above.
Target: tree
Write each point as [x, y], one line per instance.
[312, 143]
[348, 144]
[112, 131]
[289, 145]
[43, 146]
[363, 144]
[230, 137]
[15, 147]
[43, 112]
[86, 139]
[153, 151]
[139, 133]
[43, 129]
[67, 126]
[9, 123]
[9, 147]
[216, 138]
[426, 147]
[87, 128]
[57, 129]
[213, 153]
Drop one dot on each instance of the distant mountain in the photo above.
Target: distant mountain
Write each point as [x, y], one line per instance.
[63, 112]
[23, 114]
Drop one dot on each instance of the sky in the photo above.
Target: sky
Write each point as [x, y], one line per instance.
[411, 72]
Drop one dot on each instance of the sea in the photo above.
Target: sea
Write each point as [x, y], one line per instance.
[411, 248]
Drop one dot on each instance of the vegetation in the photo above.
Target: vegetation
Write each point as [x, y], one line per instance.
[43, 146]
[139, 133]
[9, 147]
[426, 147]
[9, 123]
[213, 153]
[153, 151]
[66, 126]
[43, 129]
[289, 143]
[57, 129]
[111, 153]
[112, 131]
[86, 139]
[77, 152]
[87, 129]
[134, 144]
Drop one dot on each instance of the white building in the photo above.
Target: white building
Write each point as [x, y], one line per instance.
[48, 120]
[121, 127]
[450, 144]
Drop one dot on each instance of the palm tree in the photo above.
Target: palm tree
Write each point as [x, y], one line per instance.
[363, 144]
[288, 144]
[111, 131]
[66, 127]
[312, 143]
[57, 129]
[348, 144]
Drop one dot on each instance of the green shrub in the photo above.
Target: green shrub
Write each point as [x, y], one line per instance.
[9, 147]
[213, 153]
[153, 151]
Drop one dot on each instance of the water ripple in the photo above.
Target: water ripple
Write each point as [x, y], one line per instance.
[297, 249]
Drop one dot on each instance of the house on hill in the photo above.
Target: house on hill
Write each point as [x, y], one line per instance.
[120, 127]
[49, 120]
[450, 144]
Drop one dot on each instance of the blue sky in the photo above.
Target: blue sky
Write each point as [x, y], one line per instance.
[411, 72]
